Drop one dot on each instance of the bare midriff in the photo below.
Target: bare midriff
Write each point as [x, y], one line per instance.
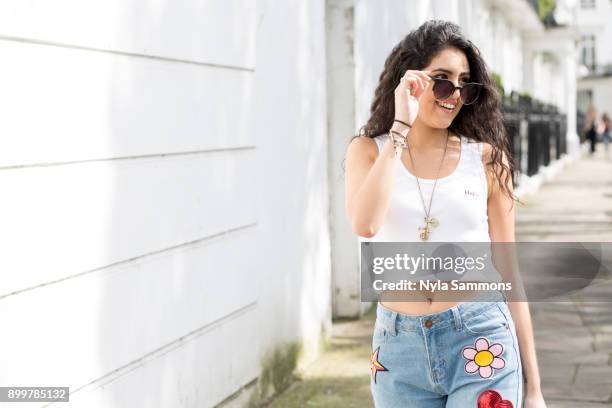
[425, 302]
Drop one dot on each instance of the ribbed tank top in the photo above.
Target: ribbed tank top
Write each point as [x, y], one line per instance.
[459, 203]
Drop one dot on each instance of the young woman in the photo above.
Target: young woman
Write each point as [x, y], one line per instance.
[427, 135]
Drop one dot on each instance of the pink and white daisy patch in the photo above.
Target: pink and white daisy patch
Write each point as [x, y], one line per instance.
[483, 358]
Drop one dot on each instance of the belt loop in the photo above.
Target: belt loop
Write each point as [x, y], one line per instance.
[390, 322]
[456, 317]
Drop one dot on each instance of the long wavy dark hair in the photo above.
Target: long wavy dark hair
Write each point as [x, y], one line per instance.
[481, 122]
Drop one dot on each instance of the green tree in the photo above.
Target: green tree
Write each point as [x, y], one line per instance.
[497, 81]
[545, 7]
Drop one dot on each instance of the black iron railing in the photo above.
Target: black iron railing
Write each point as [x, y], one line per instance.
[536, 132]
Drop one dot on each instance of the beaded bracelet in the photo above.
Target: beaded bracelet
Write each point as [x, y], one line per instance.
[398, 139]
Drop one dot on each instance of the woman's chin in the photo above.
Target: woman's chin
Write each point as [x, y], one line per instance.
[441, 124]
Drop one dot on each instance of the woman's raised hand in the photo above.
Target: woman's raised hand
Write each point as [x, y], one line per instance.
[407, 94]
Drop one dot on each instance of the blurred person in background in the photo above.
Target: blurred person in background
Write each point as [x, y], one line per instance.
[605, 130]
[590, 127]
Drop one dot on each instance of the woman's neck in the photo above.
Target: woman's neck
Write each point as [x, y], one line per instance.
[423, 136]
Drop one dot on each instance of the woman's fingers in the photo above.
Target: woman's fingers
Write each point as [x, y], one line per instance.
[409, 82]
[417, 80]
[416, 83]
[424, 79]
[418, 91]
[411, 87]
[424, 75]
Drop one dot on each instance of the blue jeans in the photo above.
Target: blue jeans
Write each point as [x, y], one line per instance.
[447, 359]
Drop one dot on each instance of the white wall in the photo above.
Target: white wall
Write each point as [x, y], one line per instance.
[602, 93]
[604, 50]
[290, 124]
[340, 25]
[164, 212]
[596, 21]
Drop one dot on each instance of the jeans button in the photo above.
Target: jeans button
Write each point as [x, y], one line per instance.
[428, 323]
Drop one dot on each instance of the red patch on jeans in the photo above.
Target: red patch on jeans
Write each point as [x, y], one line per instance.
[493, 399]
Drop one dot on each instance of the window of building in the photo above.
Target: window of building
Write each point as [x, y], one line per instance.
[587, 51]
[584, 99]
[587, 3]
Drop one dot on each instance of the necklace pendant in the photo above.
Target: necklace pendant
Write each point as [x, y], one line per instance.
[432, 222]
[424, 235]
[425, 230]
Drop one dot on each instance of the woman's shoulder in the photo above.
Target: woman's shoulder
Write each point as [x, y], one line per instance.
[364, 146]
[481, 147]
[382, 138]
[485, 149]
[487, 156]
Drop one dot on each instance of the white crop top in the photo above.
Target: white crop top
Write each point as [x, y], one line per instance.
[459, 203]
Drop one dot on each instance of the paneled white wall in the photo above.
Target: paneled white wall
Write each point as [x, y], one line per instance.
[164, 210]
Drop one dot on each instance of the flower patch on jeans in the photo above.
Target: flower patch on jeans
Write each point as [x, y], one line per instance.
[483, 358]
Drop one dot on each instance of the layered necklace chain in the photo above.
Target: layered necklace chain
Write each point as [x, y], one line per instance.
[430, 222]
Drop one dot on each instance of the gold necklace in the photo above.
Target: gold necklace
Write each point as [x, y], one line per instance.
[430, 222]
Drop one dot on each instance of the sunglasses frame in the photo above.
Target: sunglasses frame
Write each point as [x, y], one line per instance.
[460, 88]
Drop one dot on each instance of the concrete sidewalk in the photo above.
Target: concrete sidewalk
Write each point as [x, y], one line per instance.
[574, 339]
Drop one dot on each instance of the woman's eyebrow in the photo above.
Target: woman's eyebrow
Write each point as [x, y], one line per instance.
[448, 71]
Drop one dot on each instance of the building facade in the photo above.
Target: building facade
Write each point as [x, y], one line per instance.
[595, 55]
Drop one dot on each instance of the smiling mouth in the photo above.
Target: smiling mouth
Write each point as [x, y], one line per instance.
[446, 107]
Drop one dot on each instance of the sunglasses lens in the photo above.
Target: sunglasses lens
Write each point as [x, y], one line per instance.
[470, 93]
[442, 89]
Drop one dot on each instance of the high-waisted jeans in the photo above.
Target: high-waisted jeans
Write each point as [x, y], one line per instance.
[446, 359]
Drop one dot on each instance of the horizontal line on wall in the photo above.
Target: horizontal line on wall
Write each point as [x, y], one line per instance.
[132, 157]
[217, 235]
[165, 349]
[125, 53]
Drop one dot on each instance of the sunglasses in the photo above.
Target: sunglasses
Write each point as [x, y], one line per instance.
[443, 88]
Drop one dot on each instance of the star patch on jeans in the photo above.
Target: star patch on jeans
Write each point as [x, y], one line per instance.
[375, 365]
